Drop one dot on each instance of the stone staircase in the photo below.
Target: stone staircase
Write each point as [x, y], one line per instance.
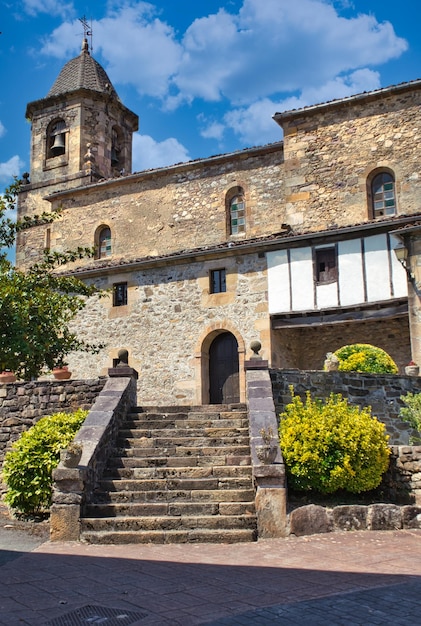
[178, 475]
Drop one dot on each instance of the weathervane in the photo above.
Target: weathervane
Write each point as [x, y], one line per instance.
[87, 30]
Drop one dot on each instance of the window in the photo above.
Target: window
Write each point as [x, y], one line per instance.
[383, 194]
[119, 294]
[236, 211]
[115, 147]
[325, 265]
[104, 243]
[218, 282]
[56, 139]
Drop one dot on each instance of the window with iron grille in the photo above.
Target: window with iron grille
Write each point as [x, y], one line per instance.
[218, 282]
[326, 268]
[119, 294]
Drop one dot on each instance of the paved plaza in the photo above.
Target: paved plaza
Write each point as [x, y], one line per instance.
[340, 578]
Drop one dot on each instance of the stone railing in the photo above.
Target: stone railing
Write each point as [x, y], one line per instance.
[73, 486]
[23, 403]
[266, 457]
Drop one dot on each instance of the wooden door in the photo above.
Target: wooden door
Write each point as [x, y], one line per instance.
[223, 370]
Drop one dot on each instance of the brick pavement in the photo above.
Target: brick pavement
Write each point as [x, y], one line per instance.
[340, 578]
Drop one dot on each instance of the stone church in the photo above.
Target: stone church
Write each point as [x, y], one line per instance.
[295, 244]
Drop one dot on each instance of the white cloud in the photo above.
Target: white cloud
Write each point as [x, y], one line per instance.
[254, 124]
[52, 7]
[279, 46]
[10, 168]
[2, 130]
[271, 55]
[148, 153]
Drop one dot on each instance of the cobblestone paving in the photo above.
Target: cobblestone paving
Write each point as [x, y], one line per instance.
[362, 578]
[397, 605]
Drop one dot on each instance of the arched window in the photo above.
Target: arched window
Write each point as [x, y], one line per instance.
[103, 242]
[236, 207]
[56, 139]
[383, 196]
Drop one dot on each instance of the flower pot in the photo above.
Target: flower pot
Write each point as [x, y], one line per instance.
[71, 456]
[7, 377]
[412, 370]
[266, 453]
[61, 373]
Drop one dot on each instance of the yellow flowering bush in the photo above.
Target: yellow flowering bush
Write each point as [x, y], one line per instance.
[363, 357]
[330, 445]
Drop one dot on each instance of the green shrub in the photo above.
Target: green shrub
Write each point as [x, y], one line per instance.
[330, 445]
[28, 466]
[411, 413]
[362, 357]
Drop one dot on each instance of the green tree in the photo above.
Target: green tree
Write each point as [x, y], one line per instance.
[37, 306]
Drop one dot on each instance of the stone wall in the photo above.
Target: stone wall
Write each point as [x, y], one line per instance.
[330, 151]
[23, 404]
[380, 391]
[167, 210]
[169, 314]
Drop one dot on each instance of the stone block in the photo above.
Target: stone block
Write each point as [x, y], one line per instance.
[350, 517]
[65, 522]
[384, 517]
[271, 512]
[411, 516]
[310, 520]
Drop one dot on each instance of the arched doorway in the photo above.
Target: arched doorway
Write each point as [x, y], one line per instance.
[224, 384]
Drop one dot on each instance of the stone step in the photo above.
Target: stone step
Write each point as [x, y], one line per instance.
[168, 523]
[197, 535]
[141, 473]
[158, 509]
[171, 495]
[176, 461]
[186, 424]
[171, 431]
[184, 451]
[175, 484]
[163, 441]
[201, 408]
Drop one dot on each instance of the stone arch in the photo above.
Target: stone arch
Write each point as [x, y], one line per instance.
[203, 345]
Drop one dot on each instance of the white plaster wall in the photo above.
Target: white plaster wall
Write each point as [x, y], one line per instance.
[293, 289]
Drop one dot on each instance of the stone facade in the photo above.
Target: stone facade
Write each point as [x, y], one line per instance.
[170, 229]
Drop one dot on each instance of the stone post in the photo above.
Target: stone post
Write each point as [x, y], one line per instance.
[413, 244]
[268, 471]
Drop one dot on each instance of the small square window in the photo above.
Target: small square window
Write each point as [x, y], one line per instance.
[218, 282]
[325, 265]
[119, 294]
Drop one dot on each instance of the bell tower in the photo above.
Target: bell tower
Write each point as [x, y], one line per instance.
[81, 133]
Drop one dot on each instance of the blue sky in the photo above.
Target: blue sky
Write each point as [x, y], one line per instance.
[205, 77]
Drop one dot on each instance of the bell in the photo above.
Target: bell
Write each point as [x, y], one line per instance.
[114, 156]
[59, 146]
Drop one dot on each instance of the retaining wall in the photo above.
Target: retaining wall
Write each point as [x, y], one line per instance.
[24, 403]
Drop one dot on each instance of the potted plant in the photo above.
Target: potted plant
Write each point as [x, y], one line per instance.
[71, 455]
[266, 452]
[6, 376]
[412, 369]
[61, 371]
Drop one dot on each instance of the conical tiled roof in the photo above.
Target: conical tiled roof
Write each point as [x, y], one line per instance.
[82, 72]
